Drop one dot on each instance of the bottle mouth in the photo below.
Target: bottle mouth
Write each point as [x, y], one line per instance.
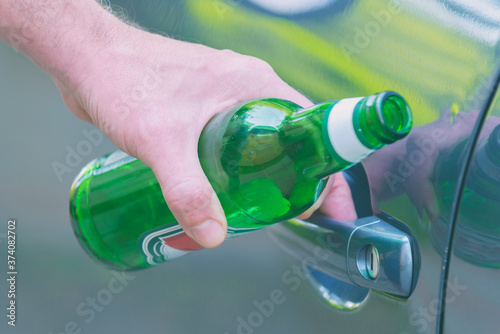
[394, 113]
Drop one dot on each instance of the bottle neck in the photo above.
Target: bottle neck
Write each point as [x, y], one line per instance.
[354, 128]
[343, 132]
[342, 135]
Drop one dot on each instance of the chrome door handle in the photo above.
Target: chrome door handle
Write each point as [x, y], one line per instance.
[374, 252]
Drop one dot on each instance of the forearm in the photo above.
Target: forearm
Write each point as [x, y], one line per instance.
[59, 36]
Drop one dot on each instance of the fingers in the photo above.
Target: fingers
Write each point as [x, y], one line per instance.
[320, 200]
[338, 204]
[191, 198]
[335, 201]
[263, 82]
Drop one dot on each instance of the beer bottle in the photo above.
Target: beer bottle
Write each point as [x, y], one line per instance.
[268, 160]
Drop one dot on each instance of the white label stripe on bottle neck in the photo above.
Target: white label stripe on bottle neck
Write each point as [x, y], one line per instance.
[342, 133]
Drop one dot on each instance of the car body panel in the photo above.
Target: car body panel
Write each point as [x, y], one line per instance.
[473, 303]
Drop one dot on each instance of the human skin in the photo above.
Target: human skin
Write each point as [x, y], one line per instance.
[151, 96]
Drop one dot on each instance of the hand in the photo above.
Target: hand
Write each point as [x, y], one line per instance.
[152, 96]
[335, 201]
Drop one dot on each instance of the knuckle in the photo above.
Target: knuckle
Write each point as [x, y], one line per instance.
[242, 63]
[226, 53]
[258, 65]
[242, 77]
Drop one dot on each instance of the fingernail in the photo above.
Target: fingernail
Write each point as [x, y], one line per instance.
[208, 234]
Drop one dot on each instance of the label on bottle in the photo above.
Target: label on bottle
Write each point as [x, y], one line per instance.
[342, 134]
[164, 244]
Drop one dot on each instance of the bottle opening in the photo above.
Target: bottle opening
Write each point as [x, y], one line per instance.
[394, 113]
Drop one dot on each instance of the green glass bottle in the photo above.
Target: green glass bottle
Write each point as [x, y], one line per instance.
[268, 160]
[478, 231]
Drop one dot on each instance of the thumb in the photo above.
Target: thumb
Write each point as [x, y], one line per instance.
[190, 197]
[338, 204]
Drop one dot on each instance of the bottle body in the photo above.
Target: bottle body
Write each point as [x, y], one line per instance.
[268, 161]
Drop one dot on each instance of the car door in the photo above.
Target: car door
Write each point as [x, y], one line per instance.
[472, 302]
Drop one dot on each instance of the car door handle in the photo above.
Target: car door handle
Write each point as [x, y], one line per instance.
[375, 252]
